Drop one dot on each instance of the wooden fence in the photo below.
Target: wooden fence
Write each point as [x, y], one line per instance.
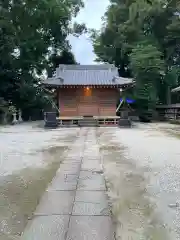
[169, 112]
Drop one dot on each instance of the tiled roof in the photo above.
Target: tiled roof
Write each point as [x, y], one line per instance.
[104, 74]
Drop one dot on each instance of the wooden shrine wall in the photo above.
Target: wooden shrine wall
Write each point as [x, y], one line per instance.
[87, 101]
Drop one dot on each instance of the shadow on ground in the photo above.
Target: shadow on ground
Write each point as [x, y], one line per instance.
[21, 192]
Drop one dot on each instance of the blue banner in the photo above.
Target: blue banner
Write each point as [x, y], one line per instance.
[128, 100]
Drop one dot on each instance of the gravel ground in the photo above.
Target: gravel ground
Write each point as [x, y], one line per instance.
[29, 159]
[142, 167]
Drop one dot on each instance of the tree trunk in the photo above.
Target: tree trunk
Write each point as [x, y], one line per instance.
[168, 95]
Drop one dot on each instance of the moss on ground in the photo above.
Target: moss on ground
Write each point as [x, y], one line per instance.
[20, 193]
[175, 122]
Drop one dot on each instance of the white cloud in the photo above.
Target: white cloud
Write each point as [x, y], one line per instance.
[91, 15]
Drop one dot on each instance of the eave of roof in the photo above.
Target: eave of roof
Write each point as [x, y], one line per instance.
[177, 89]
[87, 75]
[118, 81]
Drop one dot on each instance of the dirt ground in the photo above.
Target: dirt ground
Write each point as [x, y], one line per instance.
[30, 157]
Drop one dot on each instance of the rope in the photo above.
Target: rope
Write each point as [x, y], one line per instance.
[50, 101]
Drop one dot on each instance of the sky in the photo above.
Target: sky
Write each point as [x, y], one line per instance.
[91, 15]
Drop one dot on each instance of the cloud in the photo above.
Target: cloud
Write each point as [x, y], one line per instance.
[83, 49]
[91, 15]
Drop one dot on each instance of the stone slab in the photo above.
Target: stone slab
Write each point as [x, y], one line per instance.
[63, 181]
[56, 202]
[91, 153]
[69, 168]
[72, 159]
[91, 203]
[74, 155]
[91, 145]
[92, 158]
[70, 165]
[90, 228]
[91, 150]
[91, 181]
[47, 228]
[89, 165]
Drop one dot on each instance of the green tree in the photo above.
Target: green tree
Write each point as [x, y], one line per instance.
[141, 38]
[31, 32]
[66, 57]
[147, 66]
[109, 42]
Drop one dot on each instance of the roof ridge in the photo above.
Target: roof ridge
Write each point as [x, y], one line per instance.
[86, 67]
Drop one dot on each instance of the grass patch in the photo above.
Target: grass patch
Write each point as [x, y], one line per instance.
[111, 148]
[171, 132]
[174, 134]
[174, 122]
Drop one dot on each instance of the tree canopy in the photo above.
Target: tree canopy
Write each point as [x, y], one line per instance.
[142, 38]
[33, 39]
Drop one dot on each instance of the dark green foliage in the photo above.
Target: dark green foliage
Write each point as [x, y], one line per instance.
[142, 38]
[66, 57]
[32, 32]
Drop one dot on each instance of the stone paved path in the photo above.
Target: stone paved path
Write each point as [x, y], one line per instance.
[75, 205]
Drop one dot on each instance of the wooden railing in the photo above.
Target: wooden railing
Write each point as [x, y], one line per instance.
[101, 120]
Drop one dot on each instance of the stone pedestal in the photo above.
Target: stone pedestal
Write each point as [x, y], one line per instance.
[14, 121]
[124, 121]
[50, 120]
[20, 117]
[124, 114]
